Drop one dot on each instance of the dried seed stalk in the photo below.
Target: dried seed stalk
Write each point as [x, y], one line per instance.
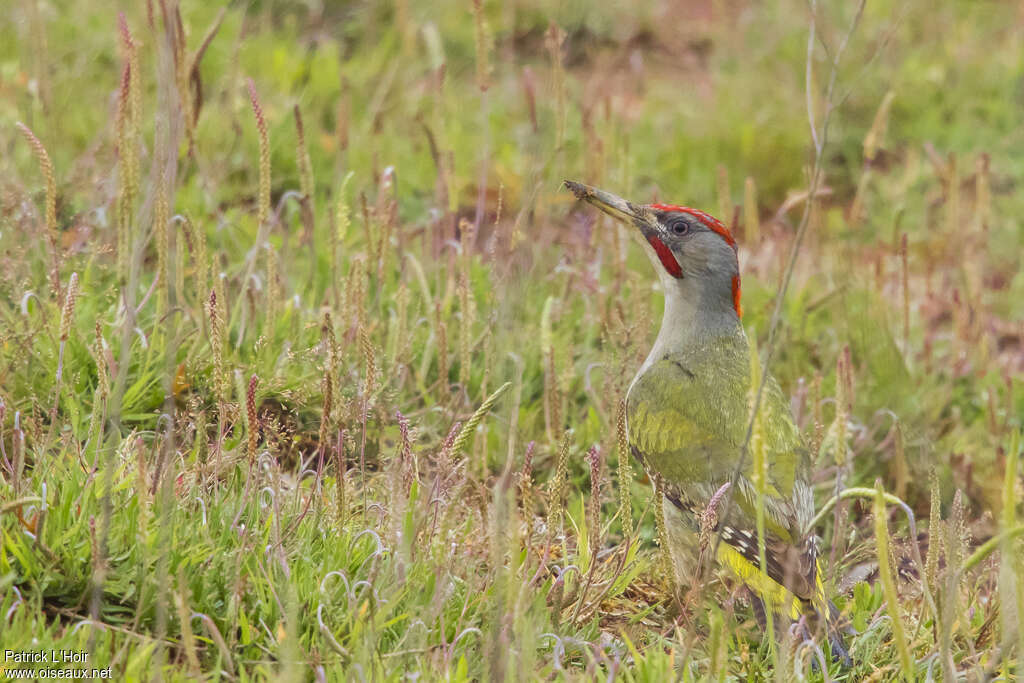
[935, 532]
[99, 400]
[370, 361]
[474, 421]
[50, 224]
[68, 310]
[625, 470]
[129, 126]
[668, 567]
[213, 311]
[595, 462]
[180, 240]
[161, 217]
[302, 160]
[263, 201]
[407, 461]
[558, 485]
[250, 414]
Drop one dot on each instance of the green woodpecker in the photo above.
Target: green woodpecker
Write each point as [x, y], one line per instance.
[688, 411]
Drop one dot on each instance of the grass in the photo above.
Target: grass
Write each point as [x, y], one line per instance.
[309, 369]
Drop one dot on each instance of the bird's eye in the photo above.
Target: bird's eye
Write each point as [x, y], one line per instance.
[679, 227]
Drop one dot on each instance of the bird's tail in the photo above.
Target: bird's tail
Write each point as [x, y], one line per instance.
[809, 616]
[825, 613]
[837, 627]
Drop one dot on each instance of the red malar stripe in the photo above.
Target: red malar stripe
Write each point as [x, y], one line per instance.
[667, 258]
[736, 296]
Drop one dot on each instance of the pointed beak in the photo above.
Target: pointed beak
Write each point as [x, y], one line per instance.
[616, 207]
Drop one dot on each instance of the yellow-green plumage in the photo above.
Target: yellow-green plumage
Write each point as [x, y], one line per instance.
[687, 417]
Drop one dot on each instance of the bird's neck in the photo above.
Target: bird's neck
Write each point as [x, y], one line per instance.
[693, 318]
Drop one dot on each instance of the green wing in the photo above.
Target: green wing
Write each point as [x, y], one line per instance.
[687, 419]
[686, 430]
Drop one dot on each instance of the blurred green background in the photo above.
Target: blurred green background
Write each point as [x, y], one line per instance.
[426, 256]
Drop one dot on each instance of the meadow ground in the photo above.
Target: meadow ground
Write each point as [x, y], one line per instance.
[310, 369]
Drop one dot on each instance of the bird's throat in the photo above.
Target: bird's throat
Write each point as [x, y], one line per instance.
[692, 318]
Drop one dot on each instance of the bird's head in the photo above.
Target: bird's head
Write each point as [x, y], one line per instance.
[693, 252]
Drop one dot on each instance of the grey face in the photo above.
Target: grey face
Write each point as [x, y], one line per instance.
[702, 247]
[686, 246]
